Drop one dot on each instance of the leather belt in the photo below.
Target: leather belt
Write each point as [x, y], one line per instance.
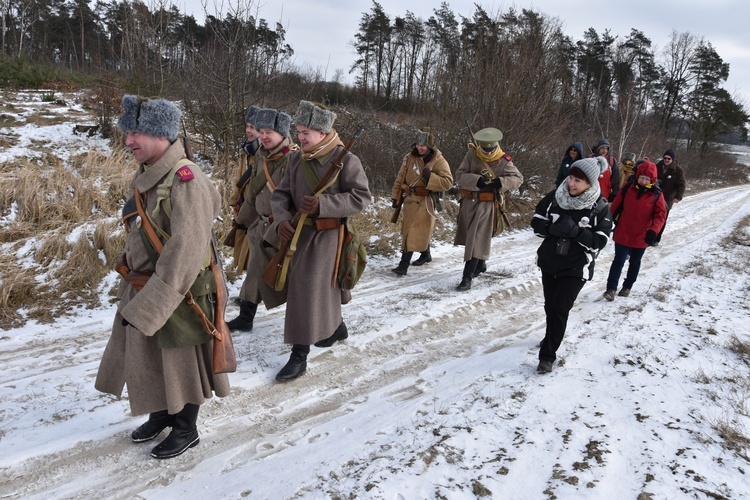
[480, 195]
[420, 191]
[322, 224]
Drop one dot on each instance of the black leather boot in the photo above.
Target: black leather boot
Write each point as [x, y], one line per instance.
[245, 320]
[404, 264]
[340, 334]
[424, 258]
[481, 267]
[184, 434]
[469, 269]
[156, 423]
[297, 364]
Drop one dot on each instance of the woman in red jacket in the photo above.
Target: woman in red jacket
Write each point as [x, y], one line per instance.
[640, 212]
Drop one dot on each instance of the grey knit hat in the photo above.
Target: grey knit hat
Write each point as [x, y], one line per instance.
[250, 115]
[274, 120]
[591, 168]
[155, 117]
[315, 116]
[425, 138]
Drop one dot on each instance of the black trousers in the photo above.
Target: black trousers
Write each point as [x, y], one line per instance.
[559, 296]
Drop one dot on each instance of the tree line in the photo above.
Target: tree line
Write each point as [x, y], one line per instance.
[514, 70]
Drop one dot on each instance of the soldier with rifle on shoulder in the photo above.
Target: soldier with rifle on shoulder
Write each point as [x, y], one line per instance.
[423, 175]
[240, 190]
[255, 214]
[314, 296]
[486, 172]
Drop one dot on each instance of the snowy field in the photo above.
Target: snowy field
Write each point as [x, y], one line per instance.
[435, 393]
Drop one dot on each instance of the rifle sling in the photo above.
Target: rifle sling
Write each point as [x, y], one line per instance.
[155, 249]
[309, 172]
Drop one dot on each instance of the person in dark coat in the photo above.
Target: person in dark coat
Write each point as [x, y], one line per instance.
[671, 182]
[575, 222]
[639, 211]
[572, 154]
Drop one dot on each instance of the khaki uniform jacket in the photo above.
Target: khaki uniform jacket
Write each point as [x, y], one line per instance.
[418, 211]
[241, 253]
[163, 378]
[254, 214]
[475, 217]
[313, 309]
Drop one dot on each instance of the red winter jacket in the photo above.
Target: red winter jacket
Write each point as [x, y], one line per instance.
[642, 210]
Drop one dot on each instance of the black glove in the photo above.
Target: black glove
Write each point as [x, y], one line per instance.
[394, 203]
[481, 183]
[565, 227]
[650, 237]
[496, 184]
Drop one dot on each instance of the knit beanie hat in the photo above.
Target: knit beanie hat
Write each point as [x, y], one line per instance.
[588, 168]
[425, 138]
[155, 117]
[250, 115]
[274, 120]
[315, 116]
[670, 153]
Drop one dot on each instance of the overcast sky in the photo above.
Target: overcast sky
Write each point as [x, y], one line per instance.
[320, 31]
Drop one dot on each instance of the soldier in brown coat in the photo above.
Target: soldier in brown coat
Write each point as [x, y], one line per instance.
[241, 187]
[485, 173]
[423, 174]
[162, 355]
[313, 310]
[255, 214]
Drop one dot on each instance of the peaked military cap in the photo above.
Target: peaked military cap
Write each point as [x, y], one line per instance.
[488, 137]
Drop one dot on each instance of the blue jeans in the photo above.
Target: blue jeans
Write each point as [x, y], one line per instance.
[621, 255]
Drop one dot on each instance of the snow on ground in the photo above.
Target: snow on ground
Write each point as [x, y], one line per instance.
[434, 394]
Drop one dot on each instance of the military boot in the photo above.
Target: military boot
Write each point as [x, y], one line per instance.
[424, 258]
[184, 434]
[297, 364]
[245, 320]
[341, 333]
[481, 267]
[156, 423]
[404, 264]
[469, 269]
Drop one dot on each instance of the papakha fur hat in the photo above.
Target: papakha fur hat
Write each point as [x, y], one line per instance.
[274, 120]
[155, 117]
[250, 116]
[315, 116]
[425, 138]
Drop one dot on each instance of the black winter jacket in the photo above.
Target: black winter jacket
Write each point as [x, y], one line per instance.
[578, 261]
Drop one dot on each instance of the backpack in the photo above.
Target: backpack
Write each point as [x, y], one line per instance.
[353, 259]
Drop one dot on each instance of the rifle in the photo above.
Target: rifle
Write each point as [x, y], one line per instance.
[473, 140]
[186, 143]
[274, 274]
[399, 204]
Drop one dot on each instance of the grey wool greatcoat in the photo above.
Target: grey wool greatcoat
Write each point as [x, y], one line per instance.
[163, 378]
[475, 217]
[254, 214]
[418, 211]
[313, 309]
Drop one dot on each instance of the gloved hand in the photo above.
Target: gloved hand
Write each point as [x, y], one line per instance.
[285, 230]
[565, 227]
[481, 183]
[394, 203]
[650, 237]
[310, 205]
[496, 183]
